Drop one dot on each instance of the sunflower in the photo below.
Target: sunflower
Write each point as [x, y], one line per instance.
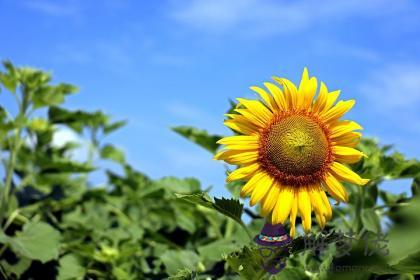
[291, 149]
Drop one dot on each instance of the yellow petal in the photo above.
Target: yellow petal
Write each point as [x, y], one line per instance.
[237, 157]
[284, 203]
[335, 188]
[257, 120]
[346, 174]
[318, 204]
[268, 99]
[243, 126]
[270, 199]
[238, 138]
[240, 142]
[257, 108]
[346, 154]
[343, 127]
[307, 88]
[252, 183]
[243, 172]
[337, 111]
[304, 205]
[290, 91]
[261, 190]
[327, 205]
[331, 98]
[293, 214]
[320, 101]
[277, 95]
[349, 139]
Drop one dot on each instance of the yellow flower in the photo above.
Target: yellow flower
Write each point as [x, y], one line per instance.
[292, 148]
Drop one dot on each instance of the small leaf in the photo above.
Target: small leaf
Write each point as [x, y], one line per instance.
[37, 241]
[114, 126]
[16, 269]
[199, 136]
[215, 250]
[112, 153]
[231, 208]
[65, 166]
[248, 263]
[176, 260]
[371, 220]
[184, 274]
[70, 268]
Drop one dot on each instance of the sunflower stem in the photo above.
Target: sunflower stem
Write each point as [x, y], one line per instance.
[251, 239]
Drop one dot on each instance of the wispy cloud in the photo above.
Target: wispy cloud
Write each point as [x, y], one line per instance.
[394, 87]
[67, 8]
[183, 111]
[392, 96]
[254, 17]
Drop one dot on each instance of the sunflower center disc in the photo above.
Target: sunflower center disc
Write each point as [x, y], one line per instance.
[297, 145]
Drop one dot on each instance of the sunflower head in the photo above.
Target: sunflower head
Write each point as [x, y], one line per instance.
[292, 148]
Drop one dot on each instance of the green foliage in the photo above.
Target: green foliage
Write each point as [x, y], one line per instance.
[55, 224]
[36, 241]
[199, 136]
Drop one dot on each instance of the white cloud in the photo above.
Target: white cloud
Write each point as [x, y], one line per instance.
[394, 88]
[63, 135]
[262, 17]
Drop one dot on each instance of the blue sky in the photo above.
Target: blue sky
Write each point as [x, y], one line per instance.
[165, 63]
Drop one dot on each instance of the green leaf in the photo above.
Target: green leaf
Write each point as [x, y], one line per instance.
[409, 264]
[37, 241]
[199, 136]
[49, 167]
[47, 96]
[215, 250]
[404, 238]
[248, 263]
[184, 274]
[231, 208]
[78, 119]
[415, 186]
[114, 126]
[176, 185]
[291, 273]
[175, 260]
[371, 220]
[112, 153]
[70, 268]
[16, 269]
[9, 79]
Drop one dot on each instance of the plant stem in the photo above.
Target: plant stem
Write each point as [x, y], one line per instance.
[9, 171]
[251, 239]
[360, 202]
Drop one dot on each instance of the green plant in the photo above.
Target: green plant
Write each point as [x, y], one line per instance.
[55, 224]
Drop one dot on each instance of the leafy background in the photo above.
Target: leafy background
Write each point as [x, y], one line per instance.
[56, 224]
[164, 63]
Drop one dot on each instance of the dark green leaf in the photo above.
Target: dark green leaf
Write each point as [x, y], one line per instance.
[231, 208]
